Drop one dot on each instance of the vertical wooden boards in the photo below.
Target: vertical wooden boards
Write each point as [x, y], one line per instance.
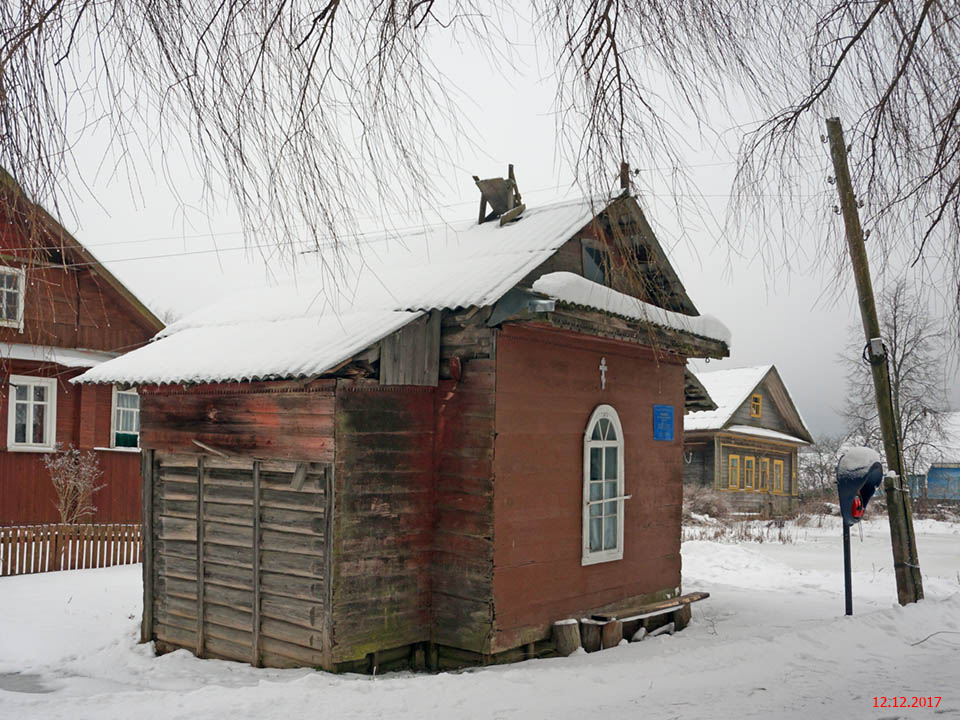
[255, 659]
[411, 355]
[147, 472]
[201, 584]
[174, 535]
[382, 521]
[246, 582]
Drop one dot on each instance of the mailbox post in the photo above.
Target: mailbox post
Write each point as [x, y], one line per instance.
[859, 474]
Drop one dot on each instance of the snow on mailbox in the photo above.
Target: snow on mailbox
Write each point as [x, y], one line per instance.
[859, 474]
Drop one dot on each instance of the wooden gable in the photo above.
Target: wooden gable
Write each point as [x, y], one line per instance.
[777, 412]
[69, 298]
[620, 250]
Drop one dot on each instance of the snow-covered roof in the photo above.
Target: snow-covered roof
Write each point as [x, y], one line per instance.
[575, 289]
[256, 350]
[67, 357]
[350, 300]
[729, 389]
[765, 433]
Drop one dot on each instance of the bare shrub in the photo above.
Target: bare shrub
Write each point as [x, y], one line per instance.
[74, 475]
[704, 501]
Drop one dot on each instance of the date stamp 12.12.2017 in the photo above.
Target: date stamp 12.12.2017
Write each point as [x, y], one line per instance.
[904, 701]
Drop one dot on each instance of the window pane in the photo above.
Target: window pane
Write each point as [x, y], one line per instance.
[125, 440]
[609, 533]
[610, 464]
[596, 491]
[596, 532]
[611, 432]
[604, 428]
[39, 414]
[20, 424]
[610, 508]
[40, 393]
[610, 489]
[22, 392]
[126, 421]
[128, 400]
[596, 432]
[596, 510]
[595, 460]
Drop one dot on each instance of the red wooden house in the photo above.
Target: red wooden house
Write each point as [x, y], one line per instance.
[428, 456]
[61, 313]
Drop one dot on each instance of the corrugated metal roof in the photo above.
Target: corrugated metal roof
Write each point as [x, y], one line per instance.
[259, 350]
[351, 300]
[729, 389]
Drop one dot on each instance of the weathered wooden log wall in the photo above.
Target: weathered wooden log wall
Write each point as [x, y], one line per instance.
[462, 590]
[382, 519]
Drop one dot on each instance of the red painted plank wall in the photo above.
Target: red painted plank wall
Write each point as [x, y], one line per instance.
[548, 384]
[83, 419]
[290, 421]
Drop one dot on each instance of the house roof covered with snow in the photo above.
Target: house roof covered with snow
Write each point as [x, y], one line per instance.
[365, 291]
[731, 388]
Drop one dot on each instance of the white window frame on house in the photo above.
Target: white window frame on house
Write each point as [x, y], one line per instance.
[115, 411]
[20, 276]
[591, 557]
[49, 420]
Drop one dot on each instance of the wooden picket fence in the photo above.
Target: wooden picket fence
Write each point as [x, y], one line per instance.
[42, 548]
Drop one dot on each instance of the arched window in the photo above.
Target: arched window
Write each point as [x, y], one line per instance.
[603, 487]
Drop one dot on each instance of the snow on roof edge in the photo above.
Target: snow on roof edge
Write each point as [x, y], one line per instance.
[574, 289]
[765, 432]
[716, 419]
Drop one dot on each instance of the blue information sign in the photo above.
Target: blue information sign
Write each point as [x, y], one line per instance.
[663, 422]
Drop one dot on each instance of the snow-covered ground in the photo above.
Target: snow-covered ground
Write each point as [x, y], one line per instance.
[771, 642]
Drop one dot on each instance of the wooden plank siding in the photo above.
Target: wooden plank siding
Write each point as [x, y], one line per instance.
[756, 500]
[462, 588]
[411, 355]
[67, 303]
[255, 589]
[83, 420]
[771, 418]
[383, 518]
[548, 384]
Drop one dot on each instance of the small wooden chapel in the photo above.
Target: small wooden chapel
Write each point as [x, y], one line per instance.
[476, 434]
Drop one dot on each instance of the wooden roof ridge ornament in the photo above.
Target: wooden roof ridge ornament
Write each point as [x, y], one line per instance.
[503, 196]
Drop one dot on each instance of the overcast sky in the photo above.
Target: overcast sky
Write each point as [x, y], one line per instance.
[177, 254]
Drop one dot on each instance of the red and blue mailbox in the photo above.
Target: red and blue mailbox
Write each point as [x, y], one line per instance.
[859, 474]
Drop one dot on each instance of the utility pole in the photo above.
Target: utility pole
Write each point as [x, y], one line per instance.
[905, 560]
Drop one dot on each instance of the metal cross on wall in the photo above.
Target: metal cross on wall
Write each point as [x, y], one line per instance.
[603, 373]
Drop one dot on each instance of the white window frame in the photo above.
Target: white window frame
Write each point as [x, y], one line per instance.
[21, 295]
[50, 422]
[113, 420]
[599, 556]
